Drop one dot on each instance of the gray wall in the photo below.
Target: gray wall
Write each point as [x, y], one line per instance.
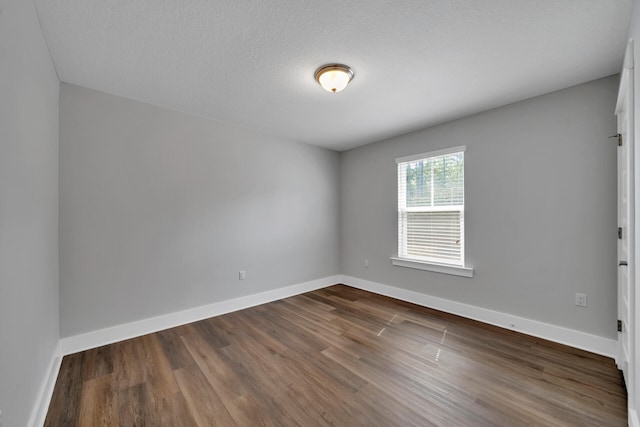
[28, 210]
[540, 209]
[160, 210]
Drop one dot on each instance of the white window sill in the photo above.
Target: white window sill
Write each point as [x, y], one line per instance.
[430, 266]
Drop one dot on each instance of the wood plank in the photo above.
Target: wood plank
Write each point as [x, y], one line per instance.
[213, 367]
[132, 406]
[174, 348]
[64, 408]
[98, 403]
[203, 402]
[97, 362]
[158, 374]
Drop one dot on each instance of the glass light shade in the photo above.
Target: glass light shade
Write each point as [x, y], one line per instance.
[334, 77]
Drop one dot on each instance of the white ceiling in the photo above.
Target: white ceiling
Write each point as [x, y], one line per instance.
[251, 62]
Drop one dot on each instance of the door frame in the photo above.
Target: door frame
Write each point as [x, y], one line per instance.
[626, 102]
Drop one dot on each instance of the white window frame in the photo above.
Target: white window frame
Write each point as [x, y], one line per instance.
[402, 260]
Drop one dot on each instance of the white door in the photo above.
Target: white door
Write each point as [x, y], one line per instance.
[626, 231]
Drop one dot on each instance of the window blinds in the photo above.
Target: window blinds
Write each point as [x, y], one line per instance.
[431, 207]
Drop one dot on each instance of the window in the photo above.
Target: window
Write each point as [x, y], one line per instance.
[431, 209]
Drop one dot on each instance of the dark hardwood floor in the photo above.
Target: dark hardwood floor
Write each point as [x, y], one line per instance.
[342, 357]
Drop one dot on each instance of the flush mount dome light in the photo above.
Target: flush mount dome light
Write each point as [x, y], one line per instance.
[334, 77]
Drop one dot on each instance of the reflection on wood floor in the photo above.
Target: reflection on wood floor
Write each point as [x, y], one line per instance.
[338, 357]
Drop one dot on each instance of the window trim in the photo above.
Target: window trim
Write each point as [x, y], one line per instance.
[454, 270]
[421, 264]
[435, 153]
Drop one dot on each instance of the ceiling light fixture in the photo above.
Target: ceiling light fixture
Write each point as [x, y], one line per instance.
[334, 77]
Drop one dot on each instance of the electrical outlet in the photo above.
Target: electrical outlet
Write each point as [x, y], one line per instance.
[241, 275]
[366, 263]
[581, 300]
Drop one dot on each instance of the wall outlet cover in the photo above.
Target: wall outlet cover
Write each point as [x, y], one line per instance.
[581, 300]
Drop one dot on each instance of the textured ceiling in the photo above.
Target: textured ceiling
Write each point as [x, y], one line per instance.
[251, 62]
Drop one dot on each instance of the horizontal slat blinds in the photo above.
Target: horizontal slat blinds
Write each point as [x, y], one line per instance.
[434, 235]
[431, 208]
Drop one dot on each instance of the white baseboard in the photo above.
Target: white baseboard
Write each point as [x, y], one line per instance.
[593, 343]
[634, 421]
[39, 411]
[76, 343]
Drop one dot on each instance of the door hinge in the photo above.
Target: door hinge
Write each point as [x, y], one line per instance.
[619, 325]
[618, 136]
[619, 232]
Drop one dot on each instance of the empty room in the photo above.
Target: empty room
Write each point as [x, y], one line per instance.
[297, 213]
